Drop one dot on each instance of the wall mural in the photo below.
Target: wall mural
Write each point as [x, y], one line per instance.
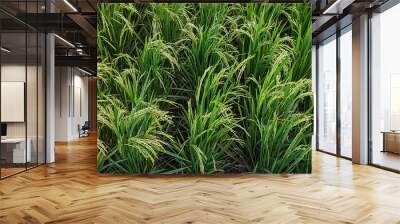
[204, 88]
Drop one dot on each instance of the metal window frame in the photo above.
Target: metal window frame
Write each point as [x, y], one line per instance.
[381, 9]
[44, 77]
[386, 6]
[339, 32]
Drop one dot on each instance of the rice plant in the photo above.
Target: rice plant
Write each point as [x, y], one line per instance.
[212, 136]
[131, 124]
[204, 88]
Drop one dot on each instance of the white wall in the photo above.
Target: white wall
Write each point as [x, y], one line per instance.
[79, 117]
[14, 72]
[70, 83]
[62, 82]
[33, 127]
[17, 73]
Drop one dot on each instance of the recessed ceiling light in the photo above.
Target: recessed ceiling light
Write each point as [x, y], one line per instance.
[5, 50]
[65, 41]
[70, 5]
[84, 71]
[337, 7]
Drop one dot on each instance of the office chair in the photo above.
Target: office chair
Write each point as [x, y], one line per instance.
[84, 130]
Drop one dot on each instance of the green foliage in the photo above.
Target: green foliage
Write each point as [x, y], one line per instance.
[204, 88]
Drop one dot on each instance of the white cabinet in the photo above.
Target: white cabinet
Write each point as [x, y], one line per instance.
[18, 147]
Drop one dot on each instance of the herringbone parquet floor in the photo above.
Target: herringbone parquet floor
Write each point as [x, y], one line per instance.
[70, 191]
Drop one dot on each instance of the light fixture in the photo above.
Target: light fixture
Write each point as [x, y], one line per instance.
[84, 71]
[80, 51]
[65, 41]
[5, 50]
[70, 5]
[337, 7]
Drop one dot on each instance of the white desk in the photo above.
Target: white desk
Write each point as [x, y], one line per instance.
[19, 155]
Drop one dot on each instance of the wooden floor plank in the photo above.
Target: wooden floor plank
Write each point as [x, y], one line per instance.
[70, 191]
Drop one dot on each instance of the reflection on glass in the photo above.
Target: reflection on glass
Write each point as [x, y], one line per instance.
[346, 93]
[15, 151]
[327, 96]
[22, 90]
[385, 92]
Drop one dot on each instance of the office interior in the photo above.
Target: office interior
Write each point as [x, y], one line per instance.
[48, 80]
[357, 81]
[48, 65]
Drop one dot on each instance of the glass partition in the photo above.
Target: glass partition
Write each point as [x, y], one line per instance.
[327, 95]
[314, 89]
[22, 101]
[13, 95]
[385, 89]
[346, 92]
